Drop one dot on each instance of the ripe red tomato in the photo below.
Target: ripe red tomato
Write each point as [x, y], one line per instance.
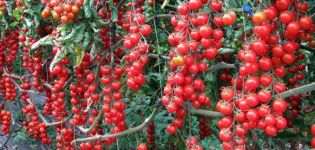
[259, 47]
[202, 19]
[205, 31]
[252, 99]
[225, 135]
[251, 84]
[224, 107]
[280, 71]
[210, 53]
[227, 94]
[243, 105]
[282, 4]
[270, 13]
[279, 105]
[279, 87]
[313, 142]
[270, 120]
[217, 34]
[183, 9]
[171, 129]
[263, 31]
[218, 21]
[240, 131]
[286, 17]
[263, 110]
[194, 4]
[250, 57]
[145, 30]
[64, 19]
[216, 5]
[313, 129]
[281, 122]
[142, 146]
[177, 123]
[229, 18]
[288, 58]
[271, 130]
[305, 23]
[277, 51]
[252, 115]
[240, 116]
[265, 64]
[225, 122]
[293, 28]
[264, 96]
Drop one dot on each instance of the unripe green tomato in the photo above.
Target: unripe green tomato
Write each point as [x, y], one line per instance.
[1, 13]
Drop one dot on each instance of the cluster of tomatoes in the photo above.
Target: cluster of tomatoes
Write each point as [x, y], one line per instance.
[62, 10]
[5, 120]
[9, 46]
[150, 135]
[113, 107]
[193, 40]
[295, 76]
[81, 90]
[135, 24]
[64, 137]
[247, 104]
[33, 124]
[8, 88]
[204, 129]
[192, 144]
[88, 146]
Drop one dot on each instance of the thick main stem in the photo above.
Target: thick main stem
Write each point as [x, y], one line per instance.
[119, 134]
[299, 90]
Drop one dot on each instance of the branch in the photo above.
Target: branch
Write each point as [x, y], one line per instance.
[44, 119]
[221, 65]
[13, 76]
[160, 16]
[206, 113]
[54, 123]
[307, 48]
[119, 134]
[87, 130]
[165, 58]
[68, 82]
[299, 90]
[121, 2]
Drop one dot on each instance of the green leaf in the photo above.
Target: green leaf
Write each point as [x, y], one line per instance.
[61, 54]
[20, 137]
[73, 33]
[86, 41]
[114, 11]
[45, 41]
[226, 50]
[87, 9]
[14, 24]
[93, 51]
[28, 22]
[79, 55]
[16, 15]
[166, 2]
[9, 5]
